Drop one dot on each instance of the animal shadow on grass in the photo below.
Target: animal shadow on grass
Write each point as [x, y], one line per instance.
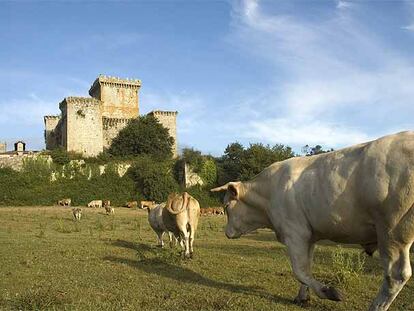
[160, 265]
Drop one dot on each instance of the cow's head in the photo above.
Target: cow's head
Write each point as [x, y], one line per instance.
[239, 213]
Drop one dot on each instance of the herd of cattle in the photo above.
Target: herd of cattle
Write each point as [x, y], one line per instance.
[178, 217]
[357, 195]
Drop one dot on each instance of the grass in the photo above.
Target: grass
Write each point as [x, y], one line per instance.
[50, 262]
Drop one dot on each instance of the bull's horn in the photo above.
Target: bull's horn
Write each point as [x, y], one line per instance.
[221, 188]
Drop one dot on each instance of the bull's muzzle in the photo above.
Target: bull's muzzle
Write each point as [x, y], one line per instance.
[232, 234]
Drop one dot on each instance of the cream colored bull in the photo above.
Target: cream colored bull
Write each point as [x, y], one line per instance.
[180, 216]
[361, 195]
[155, 220]
[95, 203]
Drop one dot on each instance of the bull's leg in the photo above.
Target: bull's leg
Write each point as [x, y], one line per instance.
[171, 239]
[303, 296]
[396, 261]
[298, 250]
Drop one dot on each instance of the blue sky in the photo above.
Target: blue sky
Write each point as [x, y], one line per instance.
[333, 73]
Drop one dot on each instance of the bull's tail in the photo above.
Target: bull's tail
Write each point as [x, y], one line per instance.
[174, 199]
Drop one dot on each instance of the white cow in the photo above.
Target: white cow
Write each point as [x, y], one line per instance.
[157, 224]
[362, 195]
[95, 203]
[180, 216]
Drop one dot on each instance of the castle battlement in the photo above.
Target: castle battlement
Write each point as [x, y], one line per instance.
[163, 113]
[87, 101]
[114, 81]
[51, 117]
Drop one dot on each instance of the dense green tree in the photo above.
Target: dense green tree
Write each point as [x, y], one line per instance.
[310, 151]
[153, 179]
[144, 135]
[239, 163]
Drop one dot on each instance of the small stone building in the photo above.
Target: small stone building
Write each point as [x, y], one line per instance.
[88, 125]
[20, 146]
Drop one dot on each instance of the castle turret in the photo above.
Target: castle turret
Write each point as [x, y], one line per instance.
[82, 125]
[52, 133]
[119, 96]
[169, 120]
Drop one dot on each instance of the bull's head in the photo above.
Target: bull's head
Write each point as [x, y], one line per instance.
[236, 209]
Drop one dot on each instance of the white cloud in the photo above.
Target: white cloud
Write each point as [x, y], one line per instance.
[339, 78]
[343, 5]
[291, 132]
[26, 111]
[409, 27]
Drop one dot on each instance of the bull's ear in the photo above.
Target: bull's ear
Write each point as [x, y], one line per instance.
[234, 189]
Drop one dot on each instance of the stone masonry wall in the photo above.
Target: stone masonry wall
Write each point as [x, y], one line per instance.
[15, 161]
[83, 125]
[111, 128]
[52, 132]
[3, 147]
[119, 97]
[169, 120]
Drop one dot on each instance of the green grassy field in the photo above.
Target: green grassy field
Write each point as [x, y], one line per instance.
[49, 262]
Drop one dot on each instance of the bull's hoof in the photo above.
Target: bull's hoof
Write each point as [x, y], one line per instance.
[332, 293]
[302, 302]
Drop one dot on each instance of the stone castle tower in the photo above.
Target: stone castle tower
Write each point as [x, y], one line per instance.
[88, 125]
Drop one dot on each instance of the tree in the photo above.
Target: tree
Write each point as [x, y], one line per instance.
[239, 163]
[310, 151]
[144, 135]
[153, 179]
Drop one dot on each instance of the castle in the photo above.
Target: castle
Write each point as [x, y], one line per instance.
[88, 125]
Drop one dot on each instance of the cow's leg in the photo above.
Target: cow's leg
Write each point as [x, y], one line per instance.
[171, 239]
[159, 236]
[298, 250]
[303, 296]
[396, 261]
[191, 241]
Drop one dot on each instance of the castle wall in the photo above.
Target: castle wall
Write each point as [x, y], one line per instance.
[3, 147]
[82, 127]
[111, 128]
[119, 96]
[169, 120]
[52, 132]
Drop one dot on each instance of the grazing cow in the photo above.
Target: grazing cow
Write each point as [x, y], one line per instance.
[106, 203]
[109, 210]
[180, 216]
[155, 220]
[65, 202]
[147, 204]
[219, 211]
[95, 203]
[132, 204]
[361, 194]
[77, 213]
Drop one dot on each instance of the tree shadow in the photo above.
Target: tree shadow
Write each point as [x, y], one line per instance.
[161, 266]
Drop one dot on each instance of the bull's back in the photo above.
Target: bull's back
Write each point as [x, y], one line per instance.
[341, 193]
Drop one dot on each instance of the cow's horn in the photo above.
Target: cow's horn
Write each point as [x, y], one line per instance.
[221, 188]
